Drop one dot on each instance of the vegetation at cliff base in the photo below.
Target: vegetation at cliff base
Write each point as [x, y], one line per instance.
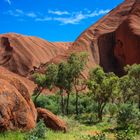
[101, 106]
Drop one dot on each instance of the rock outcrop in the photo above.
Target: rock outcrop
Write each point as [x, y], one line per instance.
[51, 121]
[22, 54]
[17, 110]
[113, 41]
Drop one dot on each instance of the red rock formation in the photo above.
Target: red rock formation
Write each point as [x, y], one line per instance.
[99, 39]
[128, 34]
[17, 110]
[51, 121]
[103, 40]
[21, 54]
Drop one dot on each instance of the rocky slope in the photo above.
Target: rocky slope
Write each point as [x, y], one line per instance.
[21, 54]
[113, 41]
[17, 110]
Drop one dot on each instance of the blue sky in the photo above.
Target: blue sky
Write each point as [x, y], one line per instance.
[54, 20]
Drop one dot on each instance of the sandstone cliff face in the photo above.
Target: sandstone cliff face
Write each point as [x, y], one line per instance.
[127, 36]
[21, 54]
[17, 110]
[103, 39]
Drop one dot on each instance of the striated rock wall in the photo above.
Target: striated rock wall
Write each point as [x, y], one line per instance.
[127, 48]
[21, 54]
[17, 110]
[101, 39]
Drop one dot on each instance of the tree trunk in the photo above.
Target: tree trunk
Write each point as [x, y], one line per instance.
[100, 111]
[67, 107]
[62, 101]
[76, 107]
[100, 115]
[38, 94]
[139, 102]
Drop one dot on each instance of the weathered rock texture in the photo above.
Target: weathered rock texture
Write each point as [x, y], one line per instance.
[113, 41]
[17, 111]
[21, 54]
[51, 121]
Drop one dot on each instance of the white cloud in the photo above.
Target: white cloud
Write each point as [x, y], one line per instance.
[44, 19]
[98, 13]
[71, 20]
[18, 11]
[61, 17]
[8, 1]
[21, 13]
[31, 14]
[57, 12]
[77, 17]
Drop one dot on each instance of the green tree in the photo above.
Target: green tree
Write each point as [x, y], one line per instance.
[134, 74]
[126, 88]
[46, 80]
[70, 72]
[64, 76]
[77, 63]
[102, 85]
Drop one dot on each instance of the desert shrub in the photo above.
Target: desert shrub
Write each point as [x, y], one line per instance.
[127, 134]
[53, 103]
[112, 110]
[86, 104]
[100, 136]
[38, 132]
[88, 118]
[49, 102]
[128, 117]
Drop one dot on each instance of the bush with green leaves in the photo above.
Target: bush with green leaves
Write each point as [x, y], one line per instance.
[38, 132]
[102, 87]
[127, 134]
[128, 117]
[101, 136]
[49, 102]
[112, 109]
[88, 118]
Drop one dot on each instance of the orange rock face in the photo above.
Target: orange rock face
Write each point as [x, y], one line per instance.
[113, 41]
[127, 51]
[17, 111]
[21, 54]
[103, 40]
[51, 121]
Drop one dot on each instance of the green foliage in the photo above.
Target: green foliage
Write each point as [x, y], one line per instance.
[102, 86]
[128, 117]
[112, 109]
[50, 102]
[38, 132]
[134, 73]
[127, 134]
[126, 88]
[88, 118]
[40, 79]
[51, 75]
[12, 135]
[100, 136]
[62, 76]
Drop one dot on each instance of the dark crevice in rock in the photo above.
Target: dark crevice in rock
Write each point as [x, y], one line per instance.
[108, 61]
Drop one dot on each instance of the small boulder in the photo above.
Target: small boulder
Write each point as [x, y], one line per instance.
[51, 121]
